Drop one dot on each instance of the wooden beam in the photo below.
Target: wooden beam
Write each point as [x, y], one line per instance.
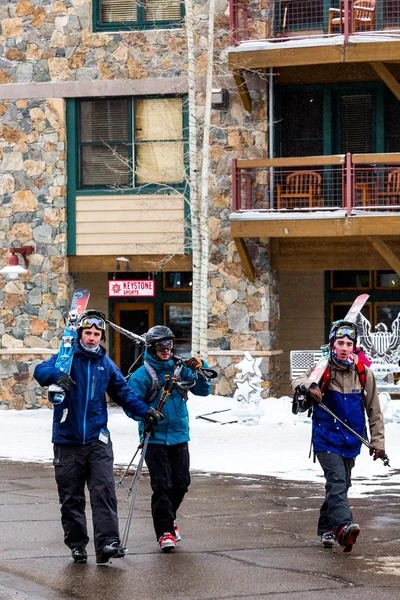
[328, 254]
[305, 161]
[388, 254]
[313, 227]
[387, 78]
[243, 90]
[245, 258]
[139, 263]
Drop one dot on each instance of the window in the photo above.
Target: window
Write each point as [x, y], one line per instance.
[178, 317]
[178, 281]
[128, 142]
[301, 124]
[137, 14]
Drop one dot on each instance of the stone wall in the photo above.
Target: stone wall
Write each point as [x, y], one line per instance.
[52, 41]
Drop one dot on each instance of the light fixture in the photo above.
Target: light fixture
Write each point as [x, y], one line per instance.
[13, 269]
[122, 259]
[219, 99]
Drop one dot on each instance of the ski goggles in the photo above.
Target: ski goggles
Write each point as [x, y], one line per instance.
[88, 322]
[164, 345]
[346, 331]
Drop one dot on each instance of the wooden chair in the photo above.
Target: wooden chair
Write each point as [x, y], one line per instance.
[392, 191]
[302, 189]
[363, 16]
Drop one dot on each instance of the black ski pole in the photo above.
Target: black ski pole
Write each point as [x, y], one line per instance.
[134, 489]
[384, 458]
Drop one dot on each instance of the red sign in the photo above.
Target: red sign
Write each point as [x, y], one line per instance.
[131, 287]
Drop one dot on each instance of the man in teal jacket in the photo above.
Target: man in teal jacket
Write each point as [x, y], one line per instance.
[167, 455]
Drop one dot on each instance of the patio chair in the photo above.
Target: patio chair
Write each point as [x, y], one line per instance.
[301, 190]
[391, 195]
[363, 16]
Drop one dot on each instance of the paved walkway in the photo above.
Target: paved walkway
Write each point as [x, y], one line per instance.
[248, 538]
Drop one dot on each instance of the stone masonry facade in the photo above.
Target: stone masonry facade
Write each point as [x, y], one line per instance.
[42, 42]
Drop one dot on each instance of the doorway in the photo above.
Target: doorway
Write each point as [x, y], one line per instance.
[137, 318]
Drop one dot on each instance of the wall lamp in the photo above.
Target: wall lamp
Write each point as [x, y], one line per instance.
[219, 99]
[13, 269]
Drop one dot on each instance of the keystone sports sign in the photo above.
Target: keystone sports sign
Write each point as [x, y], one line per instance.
[131, 287]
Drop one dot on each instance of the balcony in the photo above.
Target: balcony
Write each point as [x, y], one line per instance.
[319, 212]
[312, 32]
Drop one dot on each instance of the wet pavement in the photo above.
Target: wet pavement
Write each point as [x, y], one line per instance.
[245, 538]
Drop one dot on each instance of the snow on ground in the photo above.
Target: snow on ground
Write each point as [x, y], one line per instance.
[278, 446]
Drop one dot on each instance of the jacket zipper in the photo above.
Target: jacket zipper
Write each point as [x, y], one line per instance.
[87, 402]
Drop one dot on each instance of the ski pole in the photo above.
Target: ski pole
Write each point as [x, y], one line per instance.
[134, 489]
[119, 483]
[384, 458]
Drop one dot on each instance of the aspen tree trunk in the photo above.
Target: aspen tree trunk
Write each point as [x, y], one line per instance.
[204, 238]
[193, 182]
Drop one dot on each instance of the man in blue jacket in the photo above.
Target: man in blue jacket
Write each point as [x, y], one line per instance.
[163, 375]
[82, 445]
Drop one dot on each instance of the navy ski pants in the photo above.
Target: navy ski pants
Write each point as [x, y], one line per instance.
[91, 464]
[169, 479]
[335, 510]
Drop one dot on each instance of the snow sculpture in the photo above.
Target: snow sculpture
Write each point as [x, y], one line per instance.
[248, 393]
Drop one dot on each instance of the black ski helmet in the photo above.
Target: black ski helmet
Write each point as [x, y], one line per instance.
[156, 334]
[89, 318]
[343, 328]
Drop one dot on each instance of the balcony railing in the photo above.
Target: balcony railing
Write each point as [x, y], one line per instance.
[300, 19]
[350, 183]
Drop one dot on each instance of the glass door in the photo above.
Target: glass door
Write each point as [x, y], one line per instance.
[137, 318]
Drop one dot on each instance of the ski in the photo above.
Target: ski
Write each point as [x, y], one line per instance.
[351, 316]
[79, 303]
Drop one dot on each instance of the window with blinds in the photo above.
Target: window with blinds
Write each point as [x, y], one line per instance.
[128, 142]
[356, 124]
[141, 13]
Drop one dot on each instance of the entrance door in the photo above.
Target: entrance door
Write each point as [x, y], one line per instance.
[137, 318]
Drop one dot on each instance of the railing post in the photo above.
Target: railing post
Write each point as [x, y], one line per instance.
[347, 18]
[349, 184]
[235, 191]
[234, 22]
[245, 14]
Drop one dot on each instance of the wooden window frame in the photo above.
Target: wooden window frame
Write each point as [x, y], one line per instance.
[172, 289]
[381, 287]
[165, 306]
[350, 289]
[139, 24]
[333, 304]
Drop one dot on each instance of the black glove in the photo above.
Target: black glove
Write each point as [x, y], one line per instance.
[193, 363]
[377, 453]
[65, 382]
[151, 419]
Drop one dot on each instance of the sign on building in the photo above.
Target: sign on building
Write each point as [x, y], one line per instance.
[131, 287]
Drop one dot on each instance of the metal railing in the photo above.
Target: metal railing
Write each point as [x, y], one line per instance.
[299, 19]
[353, 183]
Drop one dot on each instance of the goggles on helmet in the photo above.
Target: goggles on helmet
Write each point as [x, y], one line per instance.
[346, 331]
[164, 345]
[88, 322]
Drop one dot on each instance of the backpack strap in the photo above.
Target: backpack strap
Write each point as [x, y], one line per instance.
[362, 375]
[326, 377]
[155, 383]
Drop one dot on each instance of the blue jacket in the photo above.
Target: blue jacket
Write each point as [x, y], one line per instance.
[94, 375]
[174, 428]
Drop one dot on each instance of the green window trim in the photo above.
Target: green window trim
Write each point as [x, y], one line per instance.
[139, 24]
[73, 189]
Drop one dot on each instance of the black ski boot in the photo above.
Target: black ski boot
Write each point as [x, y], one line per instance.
[79, 554]
[347, 536]
[113, 550]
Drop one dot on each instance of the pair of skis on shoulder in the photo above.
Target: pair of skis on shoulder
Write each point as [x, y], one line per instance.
[322, 364]
[80, 299]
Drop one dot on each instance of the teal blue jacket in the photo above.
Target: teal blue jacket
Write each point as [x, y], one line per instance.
[174, 428]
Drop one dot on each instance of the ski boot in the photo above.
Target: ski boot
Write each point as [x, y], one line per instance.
[113, 550]
[79, 554]
[347, 536]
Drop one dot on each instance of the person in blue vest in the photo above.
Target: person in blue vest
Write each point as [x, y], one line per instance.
[165, 376]
[83, 451]
[348, 389]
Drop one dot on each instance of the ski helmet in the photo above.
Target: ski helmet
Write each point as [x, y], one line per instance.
[157, 334]
[341, 329]
[89, 318]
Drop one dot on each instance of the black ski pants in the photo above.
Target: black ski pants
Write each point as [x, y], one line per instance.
[335, 510]
[169, 479]
[91, 464]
